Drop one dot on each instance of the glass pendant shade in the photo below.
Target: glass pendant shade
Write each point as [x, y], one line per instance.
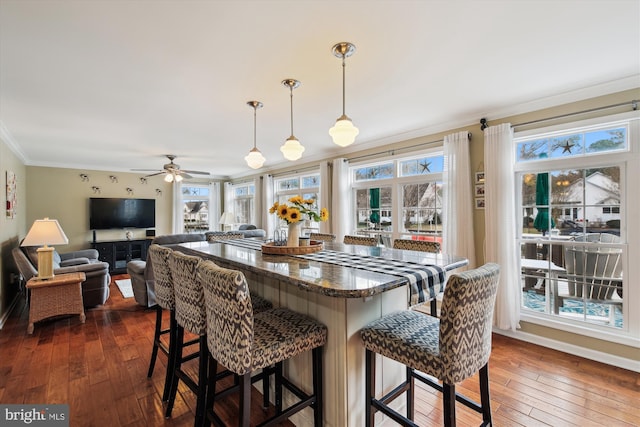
[292, 149]
[168, 177]
[178, 178]
[343, 132]
[255, 159]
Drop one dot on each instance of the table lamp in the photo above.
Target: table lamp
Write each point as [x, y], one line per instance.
[226, 218]
[45, 232]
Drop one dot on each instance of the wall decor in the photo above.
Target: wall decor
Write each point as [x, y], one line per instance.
[12, 195]
[479, 190]
[113, 178]
[480, 177]
[84, 177]
[158, 192]
[143, 180]
[129, 191]
[96, 190]
[479, 202]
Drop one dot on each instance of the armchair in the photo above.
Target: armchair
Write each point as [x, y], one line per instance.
[141, 272]
[95, 289]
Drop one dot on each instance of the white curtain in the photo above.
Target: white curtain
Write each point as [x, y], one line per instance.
[500, 222]
[228, 199]
[458, 198]
[340, 200]
[257, 202]
[325, 194]
[178, 209]
[267, 201]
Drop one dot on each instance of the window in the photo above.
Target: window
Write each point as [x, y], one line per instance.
[573, 241]
[243, 203]
[196, 208]
[305, 185]
[399, 198]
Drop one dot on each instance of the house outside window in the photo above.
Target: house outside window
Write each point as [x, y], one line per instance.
[399, 198]
[196, 208]
[573, 243]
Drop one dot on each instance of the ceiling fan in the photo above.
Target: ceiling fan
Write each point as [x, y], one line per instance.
[172, 171]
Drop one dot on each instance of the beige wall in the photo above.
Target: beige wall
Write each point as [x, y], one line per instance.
[62, 194]
[11, 230]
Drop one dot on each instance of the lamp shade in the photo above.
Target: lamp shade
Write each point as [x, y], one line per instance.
[227, 218]
[344, 132]
[168, 177]
[292, 149]
[45, 232]
[255, 159]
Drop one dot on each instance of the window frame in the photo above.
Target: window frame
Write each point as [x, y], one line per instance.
[629, 162]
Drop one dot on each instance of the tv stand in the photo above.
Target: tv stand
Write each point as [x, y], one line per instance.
[119, 252]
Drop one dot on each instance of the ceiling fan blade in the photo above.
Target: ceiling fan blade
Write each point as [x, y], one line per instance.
[185, 175]
[154, 174]
[195, 172]
[145, 170]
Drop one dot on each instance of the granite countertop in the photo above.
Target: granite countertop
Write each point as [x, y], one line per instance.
[321, 277]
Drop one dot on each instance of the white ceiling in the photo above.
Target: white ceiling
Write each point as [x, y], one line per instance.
[116, 85]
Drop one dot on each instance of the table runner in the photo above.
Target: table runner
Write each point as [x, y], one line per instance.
[425, 281]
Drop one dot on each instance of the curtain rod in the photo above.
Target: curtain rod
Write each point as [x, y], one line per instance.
[295, 171]
[633, 103]
[392, 152]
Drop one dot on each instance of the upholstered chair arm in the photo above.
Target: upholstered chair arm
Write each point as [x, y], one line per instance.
[91, 254]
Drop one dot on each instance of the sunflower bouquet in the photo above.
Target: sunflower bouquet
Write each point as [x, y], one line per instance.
[298, 209]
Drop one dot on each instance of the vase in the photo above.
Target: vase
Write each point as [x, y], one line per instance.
[293, 235]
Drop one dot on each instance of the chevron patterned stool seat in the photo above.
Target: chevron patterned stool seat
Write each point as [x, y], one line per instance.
[360, 240]
[245, 342]
[451, 348]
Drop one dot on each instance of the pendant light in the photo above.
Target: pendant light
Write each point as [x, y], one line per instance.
[254, 159]
[292, 149]
[344, 132]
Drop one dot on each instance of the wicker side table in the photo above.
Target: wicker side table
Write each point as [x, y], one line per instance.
[59, 295]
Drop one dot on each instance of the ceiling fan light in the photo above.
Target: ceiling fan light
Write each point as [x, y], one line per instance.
[255, 159]
[292, 149]
[178, 178]
[168, 177]
[343, 132]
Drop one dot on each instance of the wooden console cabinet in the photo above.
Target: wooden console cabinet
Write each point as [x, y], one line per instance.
[119, 253]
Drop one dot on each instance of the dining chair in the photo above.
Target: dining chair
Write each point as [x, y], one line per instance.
[216, 236]
[165, 299]
[325, 237]
[451, 348]
[417, 245]
[244, 341]
[360, 240]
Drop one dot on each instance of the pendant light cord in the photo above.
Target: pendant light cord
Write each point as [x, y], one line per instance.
[291, 90]
[343, 84]
[255, 108]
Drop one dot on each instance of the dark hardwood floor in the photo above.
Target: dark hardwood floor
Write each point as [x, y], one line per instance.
[99, 369]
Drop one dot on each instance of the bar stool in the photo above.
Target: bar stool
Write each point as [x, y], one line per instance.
[360, 240]
[325, 237]
[451, 348]
[165, 299]
[421, 246]
[244, 342]
[191, 316]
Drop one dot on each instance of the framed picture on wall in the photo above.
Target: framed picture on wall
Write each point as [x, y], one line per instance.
[480, 177]
[479, 202]
[12, 196]
[479, 190]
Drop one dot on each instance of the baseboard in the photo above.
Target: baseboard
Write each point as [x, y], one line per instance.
[598, 356]
[12, 307]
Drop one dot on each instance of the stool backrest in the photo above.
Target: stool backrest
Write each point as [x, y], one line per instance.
[190, 311]
[163, 282]
[325, 237]
[466, 320]
[417, 245]
[360, 240]
[229, 316]
[216, 236]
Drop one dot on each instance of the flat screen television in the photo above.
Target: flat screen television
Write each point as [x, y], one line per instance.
[108, 213]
